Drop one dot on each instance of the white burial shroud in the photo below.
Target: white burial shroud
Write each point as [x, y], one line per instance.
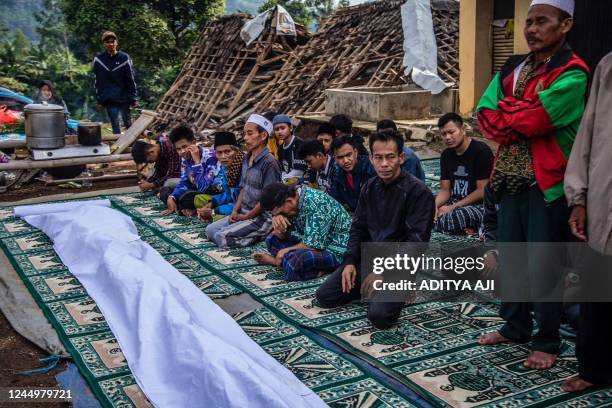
[183, 350]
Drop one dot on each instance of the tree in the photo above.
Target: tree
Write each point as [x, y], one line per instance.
[18, 15]
[150, 29]
[343, 3]
[3, 29]
[142, 32]
[186, 18]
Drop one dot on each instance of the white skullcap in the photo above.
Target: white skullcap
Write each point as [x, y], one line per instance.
[565, 5]
[261, 121]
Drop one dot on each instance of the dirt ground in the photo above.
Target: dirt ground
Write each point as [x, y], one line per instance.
[18, 354]
[36, 188]
[39, 189]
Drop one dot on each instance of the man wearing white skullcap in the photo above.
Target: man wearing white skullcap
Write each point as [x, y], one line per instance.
[532, 109]
[563, 5]
[249, 223]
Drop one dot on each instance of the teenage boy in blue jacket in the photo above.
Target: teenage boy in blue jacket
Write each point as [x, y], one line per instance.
[115, 82]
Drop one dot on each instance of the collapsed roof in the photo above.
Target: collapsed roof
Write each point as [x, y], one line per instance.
[222, 80]
[221, 74]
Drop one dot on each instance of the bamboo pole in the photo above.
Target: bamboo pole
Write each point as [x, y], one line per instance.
[45, 164]
[7, 144]
[106, 177]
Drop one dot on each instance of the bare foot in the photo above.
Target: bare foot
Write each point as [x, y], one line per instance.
[489, 339]
[539, 360]
[265, 259]
[575, 384]
[469, 231]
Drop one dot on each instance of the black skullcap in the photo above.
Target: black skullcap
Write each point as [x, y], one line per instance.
[225, 138]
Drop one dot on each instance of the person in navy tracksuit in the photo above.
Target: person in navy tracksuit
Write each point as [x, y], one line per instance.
[115, 84]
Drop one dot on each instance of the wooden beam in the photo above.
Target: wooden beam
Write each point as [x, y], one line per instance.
[134, 131]
[106, 177]
[6, 144]
[45, 164]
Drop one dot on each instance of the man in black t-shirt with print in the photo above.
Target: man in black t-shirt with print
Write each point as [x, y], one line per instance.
[292, 166]
[465, 166]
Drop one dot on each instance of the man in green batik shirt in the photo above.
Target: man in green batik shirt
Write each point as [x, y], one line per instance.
[322, 226]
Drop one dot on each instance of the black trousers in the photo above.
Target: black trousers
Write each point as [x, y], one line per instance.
[594, 342]
[382, 315]
[164, 193]
[527, 217]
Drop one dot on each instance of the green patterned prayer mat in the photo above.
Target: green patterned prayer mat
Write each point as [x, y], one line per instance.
[190, 239]
[171, 222]
[336, 380]
[150, 209]
[101, 354]
[56, 286]
[86, 335]
[215, 287]
[265, 327]
[39, 262]
[186, 265]
[75, 316]
[433, 350]
[14, 227]
[426, 335]
[494, 376]
[6, 214]
[267, 280]
[28, 243]
[122, 392]
[423, 330]
[431, 168]
[223, 259]
[130, 199]
[161, 245]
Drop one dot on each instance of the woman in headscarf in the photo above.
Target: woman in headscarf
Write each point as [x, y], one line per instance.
[46, 93]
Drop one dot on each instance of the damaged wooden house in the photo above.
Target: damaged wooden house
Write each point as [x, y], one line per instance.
[222, 76]
[223, 80]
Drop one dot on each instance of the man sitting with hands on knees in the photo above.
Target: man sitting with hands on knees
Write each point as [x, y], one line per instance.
[249, 223]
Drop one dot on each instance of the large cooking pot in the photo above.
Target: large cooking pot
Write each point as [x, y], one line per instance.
[45, 126]
[89, 133]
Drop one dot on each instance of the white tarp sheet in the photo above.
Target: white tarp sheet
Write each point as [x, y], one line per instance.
[420, 48]
[252, 29]
[183, 350]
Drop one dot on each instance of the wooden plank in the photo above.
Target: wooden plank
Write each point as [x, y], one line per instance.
[134, 132]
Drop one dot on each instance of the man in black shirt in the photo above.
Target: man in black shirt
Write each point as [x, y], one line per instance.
[292, 166]
[465, 165]
[344, 127]
[393, 207]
